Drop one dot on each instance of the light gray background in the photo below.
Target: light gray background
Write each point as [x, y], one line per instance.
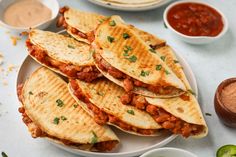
[210, 63]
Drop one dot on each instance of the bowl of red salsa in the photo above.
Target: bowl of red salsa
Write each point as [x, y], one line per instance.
[195, 22]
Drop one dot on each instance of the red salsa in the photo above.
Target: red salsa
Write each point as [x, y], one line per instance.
[194, 19]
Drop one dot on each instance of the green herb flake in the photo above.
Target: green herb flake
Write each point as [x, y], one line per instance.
[30, 93]
[175, 61]
[127, 49]
[71, 47]
[132, 58]
[56, 120]
[208, 114]
[110, 39]
[152, 50]
[130, 112]
[94, 138]
[112, 23]
[4, 154]
[163, 58]
[59, 102]
[144, 73]
[100, 93]
[75, 105]
[126, 35]
[167, 72]
[158, 67]
[63, 118]
[190, 91]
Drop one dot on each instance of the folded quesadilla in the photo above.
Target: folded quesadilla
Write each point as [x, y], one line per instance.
[62, 54]
[125, 59]
[81, 25]
[101, 99]
[181, 115]
[49, 111]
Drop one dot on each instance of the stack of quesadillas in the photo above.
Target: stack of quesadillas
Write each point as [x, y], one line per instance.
[117, 75]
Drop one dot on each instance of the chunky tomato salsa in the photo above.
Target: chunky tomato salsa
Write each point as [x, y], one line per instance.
[194, 19]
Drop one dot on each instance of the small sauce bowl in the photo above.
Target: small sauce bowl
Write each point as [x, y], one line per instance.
[53, 5]
[227, 116]
[195, 39]
[168, 152]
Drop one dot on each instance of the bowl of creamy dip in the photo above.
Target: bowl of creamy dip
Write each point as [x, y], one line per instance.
[21, 15]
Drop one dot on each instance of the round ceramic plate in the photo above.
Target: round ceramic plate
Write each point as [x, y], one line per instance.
[130, 7]
[130, 145]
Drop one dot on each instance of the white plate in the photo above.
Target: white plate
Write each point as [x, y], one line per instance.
[130, 145]
[125, 7]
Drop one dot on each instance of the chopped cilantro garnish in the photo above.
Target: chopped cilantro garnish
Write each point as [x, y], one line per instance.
[126, 35]
[163, 58]
[94, 138]
[144, 73]
[110, 39]
[132, 58]
[130, 112]
[4, 154]
[30, 93]
[70, 46]
[56, 120]
[207, 114]
[175, 61]
[127, 49]
[112, 23]
[75, 105]
[167, 72]
[63, 118]
[59, 102]
[158, 67]
[190, 91]
[152, 50]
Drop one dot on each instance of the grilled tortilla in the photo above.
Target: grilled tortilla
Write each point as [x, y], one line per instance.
[81, 25]
[101, 99]
[124, 58]
[62, 54]
[49, 111]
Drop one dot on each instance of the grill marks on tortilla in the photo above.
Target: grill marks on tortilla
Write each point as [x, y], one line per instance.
[44, 113]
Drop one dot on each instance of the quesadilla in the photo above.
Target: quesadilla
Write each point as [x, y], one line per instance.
[49, 111]
[62, 54]
[101, 99]
[181, 115]
[81, 25]
[125, 59]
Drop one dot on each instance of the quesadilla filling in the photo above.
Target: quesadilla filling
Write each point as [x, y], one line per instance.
[85, 73]
[129, 82]
[162, 117]
[62, 22]
[102, 117]
[37, 132]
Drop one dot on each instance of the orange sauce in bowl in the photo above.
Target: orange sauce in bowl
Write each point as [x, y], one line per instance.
[195, 19]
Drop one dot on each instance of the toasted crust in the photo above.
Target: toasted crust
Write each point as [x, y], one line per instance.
[106, 96]
[61, 48]
[40, 93]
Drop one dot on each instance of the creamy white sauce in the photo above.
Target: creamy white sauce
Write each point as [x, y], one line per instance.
[26, 13]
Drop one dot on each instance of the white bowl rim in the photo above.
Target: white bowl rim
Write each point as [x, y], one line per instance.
[168, 149]
[224, 19]
[25, 28]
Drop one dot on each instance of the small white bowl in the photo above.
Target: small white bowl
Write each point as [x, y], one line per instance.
[168, 152]
[53, 5]
[195, 39]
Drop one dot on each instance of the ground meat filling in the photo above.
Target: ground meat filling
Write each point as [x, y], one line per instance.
[130, 83]
[165, 119]
[86, 73]
[101, 117]
[37, 132]
[62, 23]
